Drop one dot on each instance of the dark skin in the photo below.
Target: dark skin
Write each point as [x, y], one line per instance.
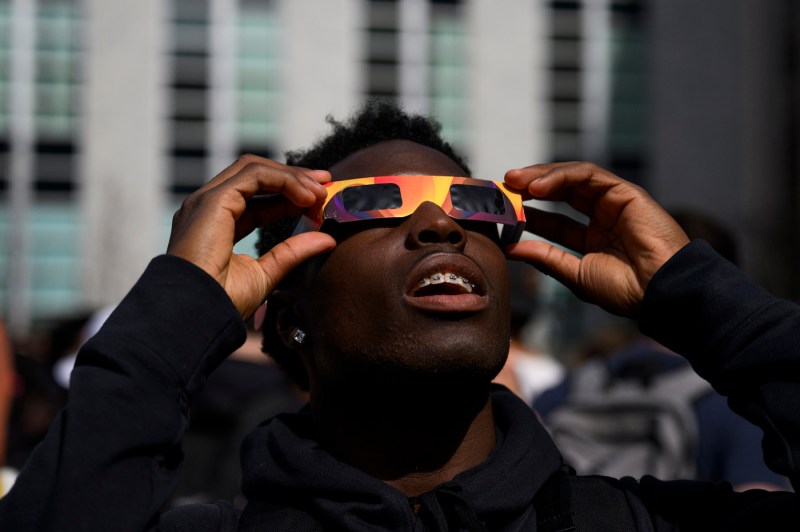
[369, 342]
[402, 391]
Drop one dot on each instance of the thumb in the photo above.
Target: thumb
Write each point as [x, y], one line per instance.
[548, 259]
[290, 253]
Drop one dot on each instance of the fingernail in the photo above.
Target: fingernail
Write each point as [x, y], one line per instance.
[317, 183]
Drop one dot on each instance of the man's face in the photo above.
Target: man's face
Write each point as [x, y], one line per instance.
[422, 293]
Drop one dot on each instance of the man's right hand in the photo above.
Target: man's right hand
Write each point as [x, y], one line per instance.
[249, 193]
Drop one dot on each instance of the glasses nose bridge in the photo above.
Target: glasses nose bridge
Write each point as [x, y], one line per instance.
[429, 224]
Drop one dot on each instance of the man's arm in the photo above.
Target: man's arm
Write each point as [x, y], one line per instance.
[739, 337]
[632, 259]
[111, 460]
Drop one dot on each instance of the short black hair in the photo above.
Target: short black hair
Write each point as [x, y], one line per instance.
[375, 121]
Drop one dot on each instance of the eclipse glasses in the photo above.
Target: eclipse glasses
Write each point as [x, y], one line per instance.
[461, 198]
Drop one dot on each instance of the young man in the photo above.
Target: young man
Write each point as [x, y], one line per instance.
[404, 430]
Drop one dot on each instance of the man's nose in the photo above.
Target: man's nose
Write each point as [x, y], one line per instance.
[429, 224]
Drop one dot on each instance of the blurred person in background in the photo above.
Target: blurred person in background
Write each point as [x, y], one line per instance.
[7, 388]
[38, 397]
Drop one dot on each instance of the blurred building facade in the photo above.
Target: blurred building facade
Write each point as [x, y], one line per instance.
[111, 112]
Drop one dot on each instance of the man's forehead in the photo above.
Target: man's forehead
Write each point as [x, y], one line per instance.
[395, 157]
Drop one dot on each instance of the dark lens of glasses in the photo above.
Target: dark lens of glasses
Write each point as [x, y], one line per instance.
[372, 197]
[477, 199]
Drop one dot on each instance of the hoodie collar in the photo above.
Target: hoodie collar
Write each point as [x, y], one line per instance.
[283, 464]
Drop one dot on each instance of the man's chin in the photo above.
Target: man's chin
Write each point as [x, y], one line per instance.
[442, 366]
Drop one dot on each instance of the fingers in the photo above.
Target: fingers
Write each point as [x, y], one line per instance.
[547, 258]
[290, 253]
[254, 161]
[579, 184]
[299, 185]
[270, 193]
[250, 281]
[249, 193]
[273, 267]
[232, 200]
[627, 236]
[605, 279]
[556, 227]
[236, 189]
[264, 210]
[613, 206]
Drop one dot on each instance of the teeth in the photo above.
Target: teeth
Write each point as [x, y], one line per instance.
[439, 278]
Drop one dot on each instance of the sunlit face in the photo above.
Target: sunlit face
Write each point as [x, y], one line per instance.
[422, 293]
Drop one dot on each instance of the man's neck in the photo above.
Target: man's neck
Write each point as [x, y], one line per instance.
[413, 439]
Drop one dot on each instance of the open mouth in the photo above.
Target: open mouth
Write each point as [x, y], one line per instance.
[443, 283]
[443, 291]
[447, 284]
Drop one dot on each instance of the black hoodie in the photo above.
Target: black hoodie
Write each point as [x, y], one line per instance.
[284, 465]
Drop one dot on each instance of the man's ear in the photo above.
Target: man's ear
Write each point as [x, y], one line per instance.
[281, 323]
[288, 325]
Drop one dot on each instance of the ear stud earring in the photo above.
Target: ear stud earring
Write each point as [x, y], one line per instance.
[298, 336]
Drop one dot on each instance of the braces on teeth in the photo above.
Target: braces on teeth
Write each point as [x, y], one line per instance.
[439, 278]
